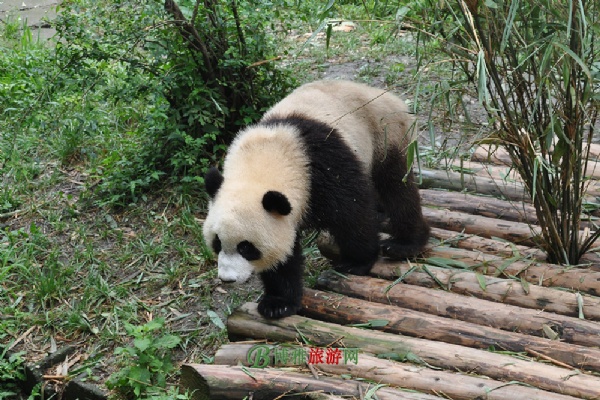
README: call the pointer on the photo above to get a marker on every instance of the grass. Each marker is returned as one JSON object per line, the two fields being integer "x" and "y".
{"x": 76, "y": 271}
{"x": 73, "y": 271}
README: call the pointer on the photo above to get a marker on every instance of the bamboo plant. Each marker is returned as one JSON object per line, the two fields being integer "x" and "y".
{"x": 536, "y": 68}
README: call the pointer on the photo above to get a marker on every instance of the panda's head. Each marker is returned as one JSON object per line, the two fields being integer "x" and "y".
{"x": 250, "y": 229}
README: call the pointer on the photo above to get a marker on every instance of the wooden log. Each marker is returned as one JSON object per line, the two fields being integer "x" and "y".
{"x": 233, "y": 382}
{"x": 346, "y": 310}
{"x": 438, "y": 179}
{"x": 458, "y": 239}
{"x": 483, "y": 169}
{"x": 453, "y": 385}
{"x": 490, "y": 207}
{"x": 515, "y": 232}
{"x": 491, "y": 154}
{"x": 451, "y": 305}
{"x": 504, "y": 291}
{"x": 510, "y": 174}
{"x": 499, "y": 156}
{"x": 486, "y": 206}
{"x": 245, "y": 322}
{"x": 594, "y": 150}
{"x": 502, "y": 248}
{"x": 583, "y": 280}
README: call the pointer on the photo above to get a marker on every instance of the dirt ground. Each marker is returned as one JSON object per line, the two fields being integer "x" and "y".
{"x": 36, "y": 13}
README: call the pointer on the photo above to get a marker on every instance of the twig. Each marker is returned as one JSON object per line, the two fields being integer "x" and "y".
{"x": 313, "y": 371}
{"x": 55, "y": 377}
{"x": 256, "y": 64}
{"x": 10, "y": 214}
{"x": 20, "y": 338}
{"x": 548, "y": 358}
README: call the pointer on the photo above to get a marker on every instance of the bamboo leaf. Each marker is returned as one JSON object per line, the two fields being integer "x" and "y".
{"x": 328, "y": 37}
{"x": 215, "y": 319}
{"x": 525, "y": 285}
{"x": 432, "y": 276}
{"x": 514, "y": 6}
{"x": 371, "y": 393}
{"x": 575, "y": 57}
{"x": 550, "y": 333}
{"x": 482, "y": 78}
{"x": 534, "y": 183}
{"x": 482, "y": 281}
{"x": 378, "y": 323}
{"x": 322, "y": 25}
{"x": 400, "y": 279}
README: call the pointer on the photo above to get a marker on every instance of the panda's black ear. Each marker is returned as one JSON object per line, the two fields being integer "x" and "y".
{"x": 212, "y": 181}
{"x": 276, "y": 202}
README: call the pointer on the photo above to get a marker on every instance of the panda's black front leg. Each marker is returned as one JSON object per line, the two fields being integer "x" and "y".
{"x": 283, "y": 287}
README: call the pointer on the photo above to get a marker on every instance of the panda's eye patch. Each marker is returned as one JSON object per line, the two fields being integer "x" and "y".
{"x": 248, "y": 251}
{"x": 216, "y": 245}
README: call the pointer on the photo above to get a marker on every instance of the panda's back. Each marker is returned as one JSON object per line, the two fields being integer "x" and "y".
{"x": 368, "y": 119}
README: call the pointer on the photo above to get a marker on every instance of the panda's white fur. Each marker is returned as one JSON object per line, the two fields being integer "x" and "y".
{"x": 239, "y": 216}
{"x": 328, "y": 152}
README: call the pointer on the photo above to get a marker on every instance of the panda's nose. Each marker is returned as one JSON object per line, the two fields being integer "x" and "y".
{"x": 227, "y": 279}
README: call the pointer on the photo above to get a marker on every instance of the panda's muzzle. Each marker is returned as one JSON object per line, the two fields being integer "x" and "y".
{"x": 234, "y": 268}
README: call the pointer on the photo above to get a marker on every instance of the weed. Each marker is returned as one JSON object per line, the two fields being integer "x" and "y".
{"x": 144, "y": 367}
{"x": 12, "y": 370}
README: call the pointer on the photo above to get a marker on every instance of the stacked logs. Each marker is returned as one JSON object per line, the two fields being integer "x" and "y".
{"x": 480, "y": 316}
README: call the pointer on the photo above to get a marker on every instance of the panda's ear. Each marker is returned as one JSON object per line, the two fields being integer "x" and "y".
{"x": 276, "y": 202}
{"x": 212, "y": 181}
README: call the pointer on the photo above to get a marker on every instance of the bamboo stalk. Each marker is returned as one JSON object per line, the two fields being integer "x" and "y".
{"x": 453, "y": 385}
{"x": 245, "y": 322}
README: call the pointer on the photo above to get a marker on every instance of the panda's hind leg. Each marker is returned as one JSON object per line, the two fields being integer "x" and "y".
{"x": 400, "y": 199}
{"x": 356, "y": 234}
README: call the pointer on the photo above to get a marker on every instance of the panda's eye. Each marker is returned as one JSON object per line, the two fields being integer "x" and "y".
{"x": 248, "y": 251}
{"x": 216, "y": 245}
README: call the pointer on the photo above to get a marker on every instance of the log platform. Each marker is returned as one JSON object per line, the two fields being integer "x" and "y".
{"x": 480, "y": 315}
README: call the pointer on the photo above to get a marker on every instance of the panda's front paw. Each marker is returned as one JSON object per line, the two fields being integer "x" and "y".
{"x": 273, "y": 307}
{"x": 354, "y": 269}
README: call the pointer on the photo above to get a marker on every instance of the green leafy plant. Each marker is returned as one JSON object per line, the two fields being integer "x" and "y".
{"x": 197, "y": 70}
{"x": 536, "y": 68}
{"x": 12, "y": 369}
{"x": 145, "y": 365}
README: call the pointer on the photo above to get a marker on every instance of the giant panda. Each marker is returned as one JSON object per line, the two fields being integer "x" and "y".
{"x": 324, "y": 158}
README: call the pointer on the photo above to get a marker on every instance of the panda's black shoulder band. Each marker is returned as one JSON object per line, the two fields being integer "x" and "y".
{"x": 212, "y": 181}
